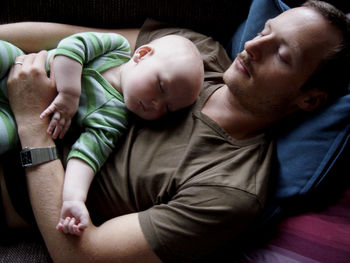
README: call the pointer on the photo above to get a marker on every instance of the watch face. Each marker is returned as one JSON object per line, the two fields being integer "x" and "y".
{"x": 26, "y": 158}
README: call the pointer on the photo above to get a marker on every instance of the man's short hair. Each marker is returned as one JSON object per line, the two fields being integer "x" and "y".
{"x": 332, "y": 74}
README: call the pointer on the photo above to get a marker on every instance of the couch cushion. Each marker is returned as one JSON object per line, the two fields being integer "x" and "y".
{"x": 259, "y": 12}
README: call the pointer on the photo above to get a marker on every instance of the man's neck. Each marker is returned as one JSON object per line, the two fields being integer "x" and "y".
{"x": 222, "y": 108}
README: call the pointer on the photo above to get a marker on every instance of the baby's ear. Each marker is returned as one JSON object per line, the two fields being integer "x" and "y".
{"x": 141, "y": 53}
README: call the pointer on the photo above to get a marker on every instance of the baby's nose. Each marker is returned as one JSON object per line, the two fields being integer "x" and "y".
{"x": 156, "y": 104}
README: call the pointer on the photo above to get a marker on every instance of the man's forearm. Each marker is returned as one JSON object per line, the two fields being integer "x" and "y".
{"x": 36, "y": 36}
{"x": 33, "y": 36}
{"x": 118, "y": 240}
{"x": 44, "y": 181}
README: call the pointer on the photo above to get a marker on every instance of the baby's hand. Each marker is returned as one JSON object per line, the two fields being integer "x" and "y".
{"x": 74, "y": 218}
{"x": 62, "y": 110}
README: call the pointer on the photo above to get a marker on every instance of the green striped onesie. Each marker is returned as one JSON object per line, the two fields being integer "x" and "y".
{"x": 102, "y": 114}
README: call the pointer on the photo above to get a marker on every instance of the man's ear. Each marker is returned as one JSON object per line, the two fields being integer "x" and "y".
{"x": 141, "y": 53}
{"x": 313, "y": 100}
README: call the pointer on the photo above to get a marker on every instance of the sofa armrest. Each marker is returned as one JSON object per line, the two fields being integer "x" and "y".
{"x": 217, "y": 18}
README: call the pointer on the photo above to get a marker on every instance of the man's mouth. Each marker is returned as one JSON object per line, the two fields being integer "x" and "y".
{"x": 243, "y": 64}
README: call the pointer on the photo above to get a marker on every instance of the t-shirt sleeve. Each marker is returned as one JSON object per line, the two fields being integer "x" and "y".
{"x": 198, "y": 219}
{"x": 214, "y": 55}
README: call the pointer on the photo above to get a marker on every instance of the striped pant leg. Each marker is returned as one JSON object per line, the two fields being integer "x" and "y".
{"x": 8, "y": 129}
{"x": 8, "y": 54}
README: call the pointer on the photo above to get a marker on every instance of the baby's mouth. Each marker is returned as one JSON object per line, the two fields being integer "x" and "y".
{"x": 142, "y": 106}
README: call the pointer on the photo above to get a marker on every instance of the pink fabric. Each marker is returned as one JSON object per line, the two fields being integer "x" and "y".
{"x": 312, "y": 237}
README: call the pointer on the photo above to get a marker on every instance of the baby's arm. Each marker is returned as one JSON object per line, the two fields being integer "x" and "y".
{"x": 74, "y": 214}
{"x": 83, "y": 48}
{"x": 67, "y": 74}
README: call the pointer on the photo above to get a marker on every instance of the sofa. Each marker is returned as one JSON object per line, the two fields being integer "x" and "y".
{"x": 302, "y": 223}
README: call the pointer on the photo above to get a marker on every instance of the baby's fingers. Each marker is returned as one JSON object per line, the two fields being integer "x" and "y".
{"x": 48, "y": 111}
{"x": 62, "y": 225}
{"x": 56, "y": 125}
{"x": 59, "y": 226}
{"x": 77, "y": 230}
{"x": 53, "y": 123}
{"x": 71, "y": 226}
{"x": 81, "y": 226}
{"x": 65, "y": 225}
{"x": 65, "y": 128}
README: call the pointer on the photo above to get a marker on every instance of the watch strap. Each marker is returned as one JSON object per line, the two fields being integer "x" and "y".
{"x": 34, "y": 156}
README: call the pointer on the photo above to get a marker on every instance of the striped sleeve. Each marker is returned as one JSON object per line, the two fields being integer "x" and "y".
{"x": 104, "y": 127}
{"x": 85, "y": 47}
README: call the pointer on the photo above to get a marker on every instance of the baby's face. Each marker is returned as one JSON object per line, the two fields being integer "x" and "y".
{"x": 154, "y": 88}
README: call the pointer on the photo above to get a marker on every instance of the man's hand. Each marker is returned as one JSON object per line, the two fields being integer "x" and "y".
{"x": 30, "y": 90}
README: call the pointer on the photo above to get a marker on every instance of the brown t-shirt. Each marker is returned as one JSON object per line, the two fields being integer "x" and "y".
{"x": 194, "y": 186}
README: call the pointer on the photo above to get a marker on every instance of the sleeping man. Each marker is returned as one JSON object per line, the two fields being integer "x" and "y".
{"x": 178, "y": 189}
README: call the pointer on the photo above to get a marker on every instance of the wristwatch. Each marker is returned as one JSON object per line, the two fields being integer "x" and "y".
{"x": 34, "y": 156}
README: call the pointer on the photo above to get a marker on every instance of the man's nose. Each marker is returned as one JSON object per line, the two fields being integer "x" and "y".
{"x": 257, "y": 47}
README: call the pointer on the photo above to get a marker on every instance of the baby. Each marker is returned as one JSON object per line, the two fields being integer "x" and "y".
{"x": 163, "y": 76}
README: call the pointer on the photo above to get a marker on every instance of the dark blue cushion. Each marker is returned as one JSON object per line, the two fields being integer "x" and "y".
{"x": 307, "y": 152}
{"x": 259, "y": 12}
{"x": 310, "y": 147}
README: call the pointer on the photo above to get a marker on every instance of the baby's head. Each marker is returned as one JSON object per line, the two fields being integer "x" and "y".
{"x": 163, "y": 76}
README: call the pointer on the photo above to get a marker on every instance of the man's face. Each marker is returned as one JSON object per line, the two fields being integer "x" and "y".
{"x": 266, "y": 77}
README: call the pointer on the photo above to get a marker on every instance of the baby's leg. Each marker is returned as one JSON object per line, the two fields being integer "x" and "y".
{"x": 8, "y": 129}
{"x": 8, "y": 54}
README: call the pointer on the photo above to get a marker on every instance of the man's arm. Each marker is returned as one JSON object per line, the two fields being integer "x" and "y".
{"x": 36, "y": 36}
{"x": 118, "y": 240}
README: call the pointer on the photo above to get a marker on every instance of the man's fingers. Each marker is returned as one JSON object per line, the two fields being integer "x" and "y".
{"x": 39, "y": 59}
{"x": 28, "y": 60}
{"x": 18, "y": 64}
{"x": 27, "y": 64}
